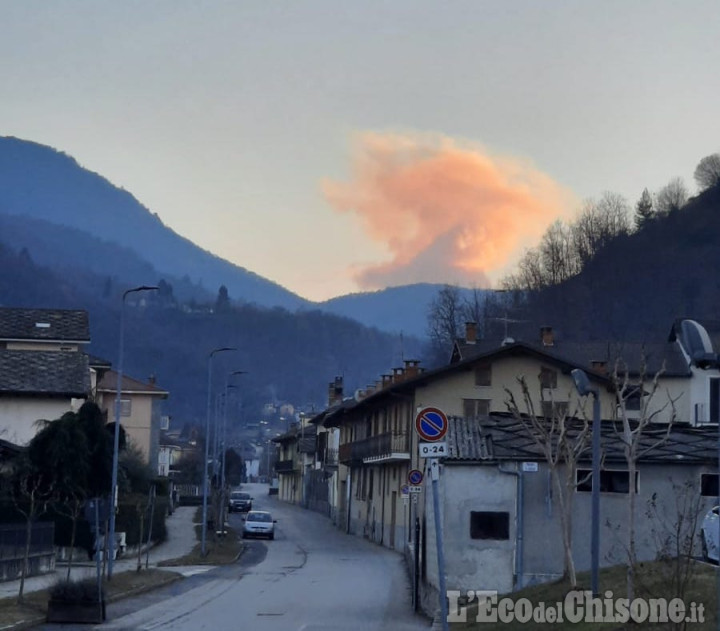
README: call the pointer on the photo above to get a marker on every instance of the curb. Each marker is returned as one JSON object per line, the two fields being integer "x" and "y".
{"x": 24, "y": 624}
{"x": 172, "y": 577}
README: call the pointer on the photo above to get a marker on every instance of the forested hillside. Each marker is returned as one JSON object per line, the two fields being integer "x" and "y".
{"x": 290, "y": 357}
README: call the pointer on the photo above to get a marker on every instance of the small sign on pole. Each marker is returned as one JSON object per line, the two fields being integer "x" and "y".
{"x": 415, "y": 477}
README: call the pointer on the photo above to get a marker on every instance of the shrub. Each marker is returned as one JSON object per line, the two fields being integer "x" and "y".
{"x": 82, "y": 591}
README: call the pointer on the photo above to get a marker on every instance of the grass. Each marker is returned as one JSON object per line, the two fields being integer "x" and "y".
{"x": 653, "y": 580}
{"x": 219, "y": 550}
{"x": 122, "y": 585}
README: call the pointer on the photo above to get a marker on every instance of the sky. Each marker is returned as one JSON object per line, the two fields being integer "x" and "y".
{"x": 340, "y": 146}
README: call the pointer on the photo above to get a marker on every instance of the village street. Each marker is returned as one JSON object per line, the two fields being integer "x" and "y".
{"x": 312, "y": 577}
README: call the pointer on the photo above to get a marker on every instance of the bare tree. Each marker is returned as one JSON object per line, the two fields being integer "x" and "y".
{"x": 32, "y": 490}
{"x": 599, "y": 223}
{"x": 644, "y": 391}
{"x": 445, "y": 320}
{"x": 707, "y": 172}
{"x": 671, "y": 197}
{"x": 561, "y": 445}
{"x": 675, "y": 528}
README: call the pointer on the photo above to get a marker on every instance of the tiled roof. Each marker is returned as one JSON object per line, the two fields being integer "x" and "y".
{"x": 44, "y": 324}
{"x": 583, "y": 353}
{"x": 108, "y": 383}
{"x": 56, "y": 373}
{"x": 501, "y": 437}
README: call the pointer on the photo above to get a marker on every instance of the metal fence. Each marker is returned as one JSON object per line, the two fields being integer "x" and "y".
{"x": 13, "y": 538}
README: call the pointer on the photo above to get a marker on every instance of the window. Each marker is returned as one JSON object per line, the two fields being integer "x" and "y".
{"x": 125, "y": 407}
{"x": 554, "y": 409}
{"x": 476, "y": 407}
{"x": 489, "y": 525}
{"x": 709, "y": 485}
{"x": 611, "y": 481}
{"x": 483, "y": 374}
{"x": 548, "y": 378}
{"x": 714, "y": 400}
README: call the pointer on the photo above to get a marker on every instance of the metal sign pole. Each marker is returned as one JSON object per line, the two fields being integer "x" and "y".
{"x": 97, "y": 548}
{"x": 435, "y": 474}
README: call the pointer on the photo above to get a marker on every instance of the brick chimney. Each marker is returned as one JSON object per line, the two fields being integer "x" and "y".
{"x": 547, "y": 337}
{"x": 151, "y": 380}
{"x": 412, "y": 368}
{"x": 470, "y": 332}
{"x": 599, "y": 365}
{"x": 398, "y": 375}
{"x": 386, "y": 380}
{"x": 335, "y": 391}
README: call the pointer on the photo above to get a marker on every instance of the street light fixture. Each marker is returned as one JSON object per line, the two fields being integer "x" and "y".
{"x": 207, "y": 444}
{"x": 583, "y": 386}
{"x": 116, "y": 435}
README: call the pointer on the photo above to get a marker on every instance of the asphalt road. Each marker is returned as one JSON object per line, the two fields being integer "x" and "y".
{"x": 312, "y": 577}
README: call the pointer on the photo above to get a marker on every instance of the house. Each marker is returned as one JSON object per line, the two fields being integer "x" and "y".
{"x": 378, "y": 446}
{"x": 296, "y": 449}
{"x": 43, "y": 369}
{"x": 141, "y": 406}
{"x": 501, "y": 517}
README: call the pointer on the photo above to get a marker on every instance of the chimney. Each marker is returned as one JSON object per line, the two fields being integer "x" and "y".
{"x": 335, "y": 391}
{"x": 151, "y": 380}
{"x": 369, "y": 389}
{"x": 599, "y": 365}
{"x": 470, "y": 332}
{"x": 386, "y": 380}
{"x": 412, "y": 368}
{"x": 546, "y": 336}
{"x": 397, "y": 375}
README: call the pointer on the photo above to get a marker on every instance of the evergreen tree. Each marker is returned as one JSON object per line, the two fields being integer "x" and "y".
{"x": 644, "y": 210}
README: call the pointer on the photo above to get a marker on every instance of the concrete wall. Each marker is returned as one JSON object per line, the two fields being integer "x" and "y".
{"x": 489, "y": 564}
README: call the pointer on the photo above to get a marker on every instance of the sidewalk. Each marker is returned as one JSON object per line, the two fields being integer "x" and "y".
{"x": 180, "y": 541}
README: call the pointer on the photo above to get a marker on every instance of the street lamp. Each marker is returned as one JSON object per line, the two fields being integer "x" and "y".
{"x": 223, "y": 445}
{"x": 224, "y": 427}
{"x": 583, "y": 386}
{"x": 207, "y": 443}
{"x": 116, "y": 436}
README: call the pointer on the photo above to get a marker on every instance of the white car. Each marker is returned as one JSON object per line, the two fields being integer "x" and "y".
{"x": 259, "y": 523}
{"x": 710, "y": 536}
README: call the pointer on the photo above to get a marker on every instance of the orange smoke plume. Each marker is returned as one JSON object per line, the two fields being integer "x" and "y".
{"x": 447, "y": 213}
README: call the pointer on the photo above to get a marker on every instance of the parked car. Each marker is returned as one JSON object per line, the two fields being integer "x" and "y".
{"x": 240, "y": 501}
{"x": 259, "y": 523}
{"x": 710, "y": 537}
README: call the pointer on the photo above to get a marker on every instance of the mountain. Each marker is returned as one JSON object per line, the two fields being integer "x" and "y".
{"x": 638, "y": 284}
{"x": 398, "y": 309}
{"x": 39, "y": 182}
{"x": 289, "y": 357}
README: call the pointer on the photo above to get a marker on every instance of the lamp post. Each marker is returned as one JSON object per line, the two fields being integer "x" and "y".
{"x": 224, "y": 426}
{"x": 582, "y": 384}
{"x": 224, "y": 446}
{"x": 207, "y": 444}
{"x": 116, "y": 435}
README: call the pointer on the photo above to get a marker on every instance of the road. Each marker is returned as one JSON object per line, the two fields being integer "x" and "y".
{"x": 312, "y": 577}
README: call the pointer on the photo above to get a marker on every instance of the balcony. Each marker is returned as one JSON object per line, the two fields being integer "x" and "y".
{"x": 388, "y": 447}
{"x": 285, "y": 466}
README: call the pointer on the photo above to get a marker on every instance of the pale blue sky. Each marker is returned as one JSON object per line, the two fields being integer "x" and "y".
{"x": 225, "y": 118}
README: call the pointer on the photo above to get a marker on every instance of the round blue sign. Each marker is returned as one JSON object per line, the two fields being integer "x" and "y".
{"x": 431, "y": 424}
{"x": 415, "y": 477}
